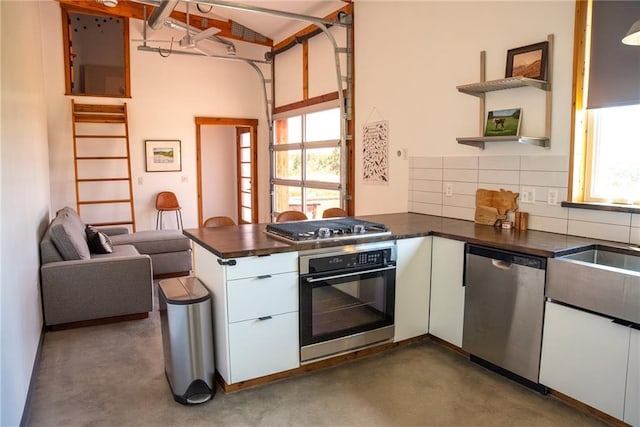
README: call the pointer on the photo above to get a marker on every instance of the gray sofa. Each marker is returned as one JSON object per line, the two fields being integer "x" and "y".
{"x": 81, "y": 286}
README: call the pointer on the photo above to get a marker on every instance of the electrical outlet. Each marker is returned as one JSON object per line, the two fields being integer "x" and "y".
{"x": 528, "y": 195}
{"x": 448, "y": 189}
{"x": 552, "y": 197}
{"x": 185, "y": 179}
{"x": 139, "y": 180}
{"x": 405, "y": 154}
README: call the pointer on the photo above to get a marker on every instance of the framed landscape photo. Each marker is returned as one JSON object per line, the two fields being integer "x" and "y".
{"x": 528, "y": 61}
{"x": 163, "y": 155}
{"x": 503, "y": 122}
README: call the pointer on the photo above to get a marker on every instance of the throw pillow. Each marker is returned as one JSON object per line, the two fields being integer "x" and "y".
{"x": 99, "y": 243}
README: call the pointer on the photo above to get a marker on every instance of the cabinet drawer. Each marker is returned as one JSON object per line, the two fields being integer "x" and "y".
{"x": 262, "y": 296}
{"x": 263, "y": 347}
{"x": 261, "y": 265}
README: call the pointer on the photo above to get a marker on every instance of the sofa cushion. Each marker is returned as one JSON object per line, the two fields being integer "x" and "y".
{"x": 68, "y": 236}
{"x": 99, "y": 243}
{"x": 154, "y": 241}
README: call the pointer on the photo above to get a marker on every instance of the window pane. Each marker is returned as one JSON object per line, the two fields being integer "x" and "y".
{"x": 245, "y": 139}
{"x": 246, "y": 214}
{"x": 323, "y": 164}
{"x": 289, "y": 130}
{"x": 287, "y": 198}
{"x": 288, "y": 164}
{"x": 246, "y": 199}
{"x": 245, "y": 184}
{"x": 323, "y": 125}
{"x": 319, "y": 200}
{"x": 616, "y": 175}
{"x": 245, "y": 169}
{"x": 245, "y": 155}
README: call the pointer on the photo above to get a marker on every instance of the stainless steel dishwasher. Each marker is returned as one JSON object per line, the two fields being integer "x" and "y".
{"x": 504, "y": 303}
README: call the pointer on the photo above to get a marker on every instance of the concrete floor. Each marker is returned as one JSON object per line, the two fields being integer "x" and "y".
{"x": 113, "y": 375}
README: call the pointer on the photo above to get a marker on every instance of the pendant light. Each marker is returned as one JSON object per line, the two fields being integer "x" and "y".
{"x": 633, "y": 36}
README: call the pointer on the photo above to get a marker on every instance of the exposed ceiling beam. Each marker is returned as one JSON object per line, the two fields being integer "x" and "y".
{"x": 132, "y": 9}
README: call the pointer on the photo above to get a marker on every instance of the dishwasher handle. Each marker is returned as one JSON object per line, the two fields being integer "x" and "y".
{"x": 507, "y": 257}
{"x": 502, "y": 265}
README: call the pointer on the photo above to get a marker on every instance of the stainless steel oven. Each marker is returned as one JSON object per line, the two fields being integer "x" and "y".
{"x": 347, "y": 298}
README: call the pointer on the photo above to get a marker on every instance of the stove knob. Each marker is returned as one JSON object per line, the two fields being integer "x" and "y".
{"x": 324, "y": 232}
{"x": 358, "y": 229}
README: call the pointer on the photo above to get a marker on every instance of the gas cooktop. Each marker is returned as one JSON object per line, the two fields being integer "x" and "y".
{"x": 325, "y": 229}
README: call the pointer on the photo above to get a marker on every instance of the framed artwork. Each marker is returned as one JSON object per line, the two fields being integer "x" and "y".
{"x": 503, "y": 122}
{"x": 528, "y": 61}
{"x": 163, "y": 155}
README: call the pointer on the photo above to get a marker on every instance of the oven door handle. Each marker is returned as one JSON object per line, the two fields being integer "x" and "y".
{"x": 340, "y": 276}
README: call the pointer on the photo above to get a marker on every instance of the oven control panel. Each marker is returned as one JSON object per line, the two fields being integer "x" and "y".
{"x": 376, "y": 258}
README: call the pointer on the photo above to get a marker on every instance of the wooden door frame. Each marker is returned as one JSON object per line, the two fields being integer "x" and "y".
{"x": 252, "y": 124}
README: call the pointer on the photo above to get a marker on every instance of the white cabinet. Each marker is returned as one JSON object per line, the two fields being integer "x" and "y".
{"x": 412, "y": 287}
{"x": 255, "y": 311}
{"x": 632, "y": 400}
{"x": 447, "y": 290}
{"x": 587, "y": 357}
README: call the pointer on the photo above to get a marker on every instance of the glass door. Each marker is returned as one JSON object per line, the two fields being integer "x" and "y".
{"x": 247, "y": 194}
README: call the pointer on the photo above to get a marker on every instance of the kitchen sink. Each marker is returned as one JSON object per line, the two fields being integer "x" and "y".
{"x": 608, "y": 257}
{"x": 603, "y": 279}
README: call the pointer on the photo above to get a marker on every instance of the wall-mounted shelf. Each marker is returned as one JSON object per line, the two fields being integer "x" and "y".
{"x": 479, "y": 141}
{"x": 480, "y": 88}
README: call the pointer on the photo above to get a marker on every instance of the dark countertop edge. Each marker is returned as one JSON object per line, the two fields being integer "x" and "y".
{"x": 580, "y": 243}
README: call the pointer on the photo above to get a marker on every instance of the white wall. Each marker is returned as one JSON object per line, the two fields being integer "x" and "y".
{"x": 219, "y": 175}
{"x": 24, "y": 184}
{"x": 411, "y": 55}
{"x": 167, "y": 93}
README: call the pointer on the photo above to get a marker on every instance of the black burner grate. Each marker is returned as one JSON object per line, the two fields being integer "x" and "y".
{"x": 305, "y": 230}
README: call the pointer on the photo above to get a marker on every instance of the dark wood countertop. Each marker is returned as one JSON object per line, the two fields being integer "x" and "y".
{"x": 251, "y": 239}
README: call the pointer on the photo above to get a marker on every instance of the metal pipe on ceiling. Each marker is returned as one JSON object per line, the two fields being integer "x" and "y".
{"x": 161, "y": 13}
{"x": 266, "y": 11}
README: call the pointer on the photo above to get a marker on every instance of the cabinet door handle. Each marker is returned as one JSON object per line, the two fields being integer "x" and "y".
{"x": 264, "y": 276}
{"x": 265, "y": 318}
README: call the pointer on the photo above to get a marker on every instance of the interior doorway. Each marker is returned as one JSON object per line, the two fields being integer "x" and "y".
{"x": 226, "y": 152}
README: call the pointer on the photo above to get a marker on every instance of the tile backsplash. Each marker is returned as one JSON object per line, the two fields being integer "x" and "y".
{"x": 446, "y": 186}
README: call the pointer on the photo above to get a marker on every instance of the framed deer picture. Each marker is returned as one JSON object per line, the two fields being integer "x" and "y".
{"x": 503, "y": 122}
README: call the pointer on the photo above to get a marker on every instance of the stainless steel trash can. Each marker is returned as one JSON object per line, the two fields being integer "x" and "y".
{"x": 187, "y": 339}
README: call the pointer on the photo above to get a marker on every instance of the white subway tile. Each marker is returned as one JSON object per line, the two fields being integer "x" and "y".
{"x": 616, "y": 233}
{"x": 460, "y": 175}
{"x": 425, "y": 208}
{"x": 427, "y": 162}
{"x": 551, "y": 225}
{"x": 497, "y": 187}
{"x": 635, "y": 220}
{"x": 545, "y": 210}
{"x": 499, "y": 176}
{"x": 500, "y": 162}
{"x": 544, "y": 163}
{"x": 426, "y": 197}
{"x": 602, "y": 217}
{"x": 634, "y": 238}
{"x": 459, "y": 200}
{"x": 470, "y": 162}
{"x": 458, "y": 212}
{"x": 425, "y": 185}
{"x": 466, "y": 188}
{"x": 432, "y": 174}
{"x": 544, "y": 179}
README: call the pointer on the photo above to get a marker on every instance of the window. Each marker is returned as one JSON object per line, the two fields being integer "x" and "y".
{"x": 607, "y": 98}
{"x": 97, "y": 57}
{"x": 306, "y": 163}
{"x": 613, "y": 150}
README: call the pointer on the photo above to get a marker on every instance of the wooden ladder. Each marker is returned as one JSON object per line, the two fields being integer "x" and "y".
{"x": 102, "y": 164}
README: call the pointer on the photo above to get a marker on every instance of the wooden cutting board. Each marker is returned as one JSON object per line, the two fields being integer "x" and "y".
{"x": 492, "y": 205}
